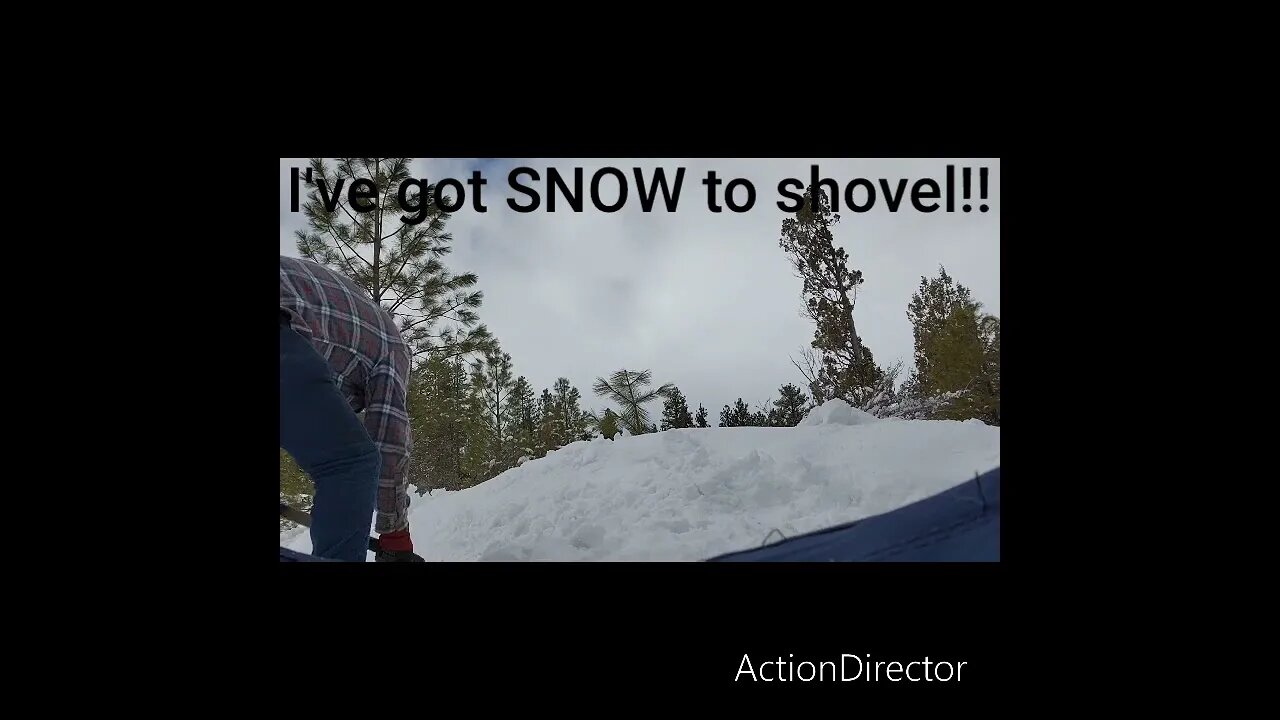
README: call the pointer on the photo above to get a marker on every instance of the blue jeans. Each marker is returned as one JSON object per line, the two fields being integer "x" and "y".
{"x": 326, "y": 438}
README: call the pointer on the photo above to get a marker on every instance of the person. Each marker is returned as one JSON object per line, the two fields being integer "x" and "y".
{"x": 341, "y": 354}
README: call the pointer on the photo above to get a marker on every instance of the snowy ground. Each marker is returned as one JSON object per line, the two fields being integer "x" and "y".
{"x": 691, "y": 494}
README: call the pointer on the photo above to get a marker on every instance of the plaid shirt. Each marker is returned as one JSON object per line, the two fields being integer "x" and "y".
{"x": 370, "y": 362}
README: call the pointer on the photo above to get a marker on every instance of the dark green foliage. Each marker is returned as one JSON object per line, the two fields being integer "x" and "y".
{"x": 990, "y": 331}
{"x": 479, "y": 455}
{"x": 563, "y": 420}
{"x": 440, "y": 411}
{"x": 523, "y": 418}
{"x": 549, "y": 427}
{"x": 701, "y": 417}
{"x": 609, "y": 424}
{"x": 957, "y": 350}
{"x": 789, "y": 409}
{"x": 571, "y": 423}
{"x": 675, "y": 411}
{"x": 498, "y": 385}
{"x": 739, "y": 415}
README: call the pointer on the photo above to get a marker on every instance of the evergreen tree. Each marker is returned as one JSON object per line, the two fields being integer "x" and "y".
{"x": 609, "y": 424}
{"x": 437, "y": 406}
{"x": 788, "y": 410}
{"x": 990, "y": 330}
{"x": 549, "y": 427}
{"x": 675, "y": 411}
{"x": 523, "y": 420}
{"x": 477, "y": 454}
{"x": 628, "y": 390}
{"x": 741, "y": 416}
{"x": 956, "y": 350}
{"x": 394, "y": 251}
{"x": 701, "y": 417}
{"x": 423, "y": 410}
{"x": 845, "y": 367}
{"x": 498, "y": 386}
{"x": 570, "y": 418}
{"x": 588, "y": 426}
{"x": 456, "y": 430}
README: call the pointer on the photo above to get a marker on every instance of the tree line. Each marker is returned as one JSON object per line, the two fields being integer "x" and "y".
{"x": 473, "y": 417}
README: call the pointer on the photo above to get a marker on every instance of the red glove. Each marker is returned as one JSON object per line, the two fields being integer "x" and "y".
{"x": 398, "y": 541}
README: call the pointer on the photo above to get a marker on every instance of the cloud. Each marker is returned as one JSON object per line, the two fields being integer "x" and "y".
{"x": 705, "y": 300}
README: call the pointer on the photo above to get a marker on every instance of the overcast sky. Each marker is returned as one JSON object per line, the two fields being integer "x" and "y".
{"x": 706, "y": 301}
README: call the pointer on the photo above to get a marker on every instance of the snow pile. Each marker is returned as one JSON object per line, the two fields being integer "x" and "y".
{"x": 837, "y": 412}
{"x": 692, "y": 494}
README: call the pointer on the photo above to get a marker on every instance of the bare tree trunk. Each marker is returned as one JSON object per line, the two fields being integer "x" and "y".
{"x": 377, "y": 239}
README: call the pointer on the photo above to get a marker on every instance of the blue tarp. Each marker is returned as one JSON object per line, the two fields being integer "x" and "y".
{"x": 961, "y": 524}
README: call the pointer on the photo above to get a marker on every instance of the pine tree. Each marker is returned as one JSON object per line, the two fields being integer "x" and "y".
{"x": 495, "y": 379}
{"x": 739, "y": 415}
{"x": 549, "y": 425}
{"x": 990, "y": 331}
{"x": 845, "y": 367}
{"x": 736, "y": 415}
{"x": 478, "y": 452}
{"x": 609, "y": 424}
{"x": 628, "y": 390}
{"x": 523, "y": 419}
{"x": 456, "y": 429}
{"x": 675, "y": 411}
{"x": 788, "y": 410}
{"x": 588, "y": 426}
{"x": 436, "y": 406}
{"x": 701, "y": 417}
{"x": 394, "y": 251}
{"x": 569, "y": 415}
{"x": 956, "y": 350}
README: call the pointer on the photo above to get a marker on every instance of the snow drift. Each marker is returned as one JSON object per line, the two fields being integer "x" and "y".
{"x": 837, "y": 412}
{"x": 696, "y": 493}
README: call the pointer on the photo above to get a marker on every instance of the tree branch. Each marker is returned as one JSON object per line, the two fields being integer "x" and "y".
{"x": 347, "y": 260}
{"x": 449, "y": 356}
{"x": 410, "y": 282}
{"x": 353, "y": 250}
{"x": 451, "y": 309}
{"x": 392, "y": 279}
{"x": 417, "y": 323}
{"x": 437, "y": 316}
{"x": 343, "y": 207}
{"x": 402, "y": 299}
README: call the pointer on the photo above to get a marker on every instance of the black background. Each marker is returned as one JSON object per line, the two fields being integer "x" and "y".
{"x": 545, "y": 635}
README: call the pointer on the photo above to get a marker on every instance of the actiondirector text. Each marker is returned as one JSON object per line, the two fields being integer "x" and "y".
{"x": 850, "y": 668}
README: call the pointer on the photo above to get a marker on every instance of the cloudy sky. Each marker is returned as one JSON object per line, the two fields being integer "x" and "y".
{"x": 706, "y": 301}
